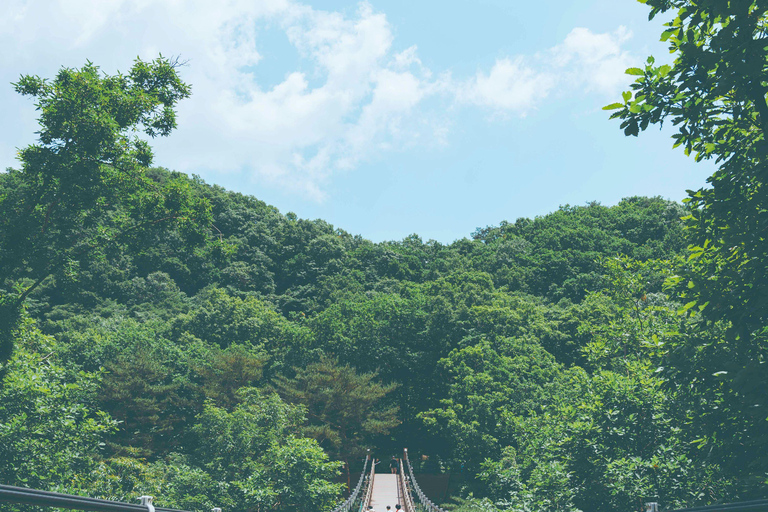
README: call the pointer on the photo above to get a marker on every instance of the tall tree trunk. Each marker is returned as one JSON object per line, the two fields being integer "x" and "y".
{"x": 349, "y": 481}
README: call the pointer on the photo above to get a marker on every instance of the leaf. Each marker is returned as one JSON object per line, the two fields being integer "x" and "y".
{"x": 635, "y": 72}
{"x": 685, "y": 308}
{"x": 613, "y": 106}
{"x": 667, "y": 34}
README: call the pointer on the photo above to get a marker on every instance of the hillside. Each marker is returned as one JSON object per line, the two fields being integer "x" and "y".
{"x": 467, "y": 353}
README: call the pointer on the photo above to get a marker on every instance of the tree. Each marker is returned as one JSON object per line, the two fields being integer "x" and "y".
{"x": 603, "y": 443}
{"x": 254, "y": 453}
{"x": 346, "y": 410}
{"x": 152, "y": 402}
{"x": 253, "y": 324}
{"x": 489, "y": 386}
{"x": 51, "y": 433}
{"x": 715, "y": 96}
{"x": 82, "y": 189}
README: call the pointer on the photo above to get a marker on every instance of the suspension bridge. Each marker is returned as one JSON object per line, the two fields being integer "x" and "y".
{"x": 379, "y": 491}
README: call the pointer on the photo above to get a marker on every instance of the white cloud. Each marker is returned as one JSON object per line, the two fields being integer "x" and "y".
{"x": 595, "y": 60}
{"x": 511, "y": 85}
{"x": 584, "y": 62}
{"x": 352, "y": 96}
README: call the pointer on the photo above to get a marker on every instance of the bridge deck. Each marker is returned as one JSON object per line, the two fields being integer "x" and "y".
{"x": 385, "y": 492}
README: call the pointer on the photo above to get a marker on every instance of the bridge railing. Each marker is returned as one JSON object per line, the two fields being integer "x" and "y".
{"x": 35, "y": 497}
{"x": 25, "y": 496}
{"x": 369, "y": 487}
{"x": 349, "y": 503}
{"x": 744, "y": 506}
{"x": 403, "y": 483}
{"x": 423, "y": 501}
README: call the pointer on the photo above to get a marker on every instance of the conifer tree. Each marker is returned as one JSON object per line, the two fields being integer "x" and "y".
{"x": 346, "y": 410}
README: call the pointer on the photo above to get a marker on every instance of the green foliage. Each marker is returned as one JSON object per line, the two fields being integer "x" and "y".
{"x": 641, "y": 323}
{"x": 50, "y": 429}
{"x": 226, "y": 371}
{"x": 541, "y": 359}
{"x": 223, "y": 320}
{"x": 557, "y": 255}
{"x": 10, "y": 315}
{"x": 615, "y": 439}
{"x": 82, "y": 191}
{"x": 347, "y": 411}
{"x": 247, "y": 459}
{"x": 151, "y": 401}
{"x": 715, "y": 96}
{"x": 489, "y": 386}
{"x": 173, "y": 482}
{"x": 255, "y": 449}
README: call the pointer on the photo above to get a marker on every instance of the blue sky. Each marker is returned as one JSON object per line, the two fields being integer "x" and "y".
{"x": 385, "y": 118}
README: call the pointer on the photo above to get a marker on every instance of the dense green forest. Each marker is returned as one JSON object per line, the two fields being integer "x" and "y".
{"x": 163, "y": 336}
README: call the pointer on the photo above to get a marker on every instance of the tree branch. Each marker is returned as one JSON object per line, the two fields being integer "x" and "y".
{"x": 29, "y": 290}
{"x": 47, "y": 216}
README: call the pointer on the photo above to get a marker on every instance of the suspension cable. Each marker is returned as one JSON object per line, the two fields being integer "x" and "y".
{"x": 349, "y": 503}
{"x": 369, "y": 491}
{"x": 424, "y": 502}
{"x": 405, "y": 491}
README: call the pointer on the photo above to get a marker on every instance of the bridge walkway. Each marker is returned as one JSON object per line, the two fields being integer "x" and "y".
{"x": 385, "y": 492}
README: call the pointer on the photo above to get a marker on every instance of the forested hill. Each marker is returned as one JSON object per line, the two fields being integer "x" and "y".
{"x": 303, "y": 266}
{"x": 218, "y": 373}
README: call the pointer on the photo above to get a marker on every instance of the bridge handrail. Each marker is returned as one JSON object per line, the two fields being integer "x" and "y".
{"x": 405, "y": 490}
{"x": 425, "y": 502}
{"x": 369, "y": 491}
{"x": 347, "y": 504}
{"x": 26, "y": 496}
{"x": 36, "y": 497}
{"x": 744, "y": 506}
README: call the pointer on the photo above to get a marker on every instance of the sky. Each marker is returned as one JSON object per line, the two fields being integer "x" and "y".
{"x": 384, "y": 117}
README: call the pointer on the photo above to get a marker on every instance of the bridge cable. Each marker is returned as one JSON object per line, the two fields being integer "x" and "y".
{"x": 369, "y": 489}
{"x": 424, "y": 502}
{"x": 349, "y": 503}
{"x": 405, "y": 491}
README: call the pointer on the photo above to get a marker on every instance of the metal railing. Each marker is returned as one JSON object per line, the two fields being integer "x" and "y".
{"x": 35, "y": 497}
{"x": 369, "y": 490}
{"x": 25, "y": 496}
{"x": 423, "y": 502}
{"x": 38, "y": 498}
{"x": 349, "y": 503}
{"x": 744, "y": 506}
{"x": 403, "y": 483}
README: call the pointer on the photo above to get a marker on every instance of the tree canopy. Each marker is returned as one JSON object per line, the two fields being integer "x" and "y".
{"x": 714, "y": 94}
{"x": 83, "y": 190}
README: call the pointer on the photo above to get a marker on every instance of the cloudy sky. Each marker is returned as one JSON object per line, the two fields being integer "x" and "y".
{"x": 385, "y": 117}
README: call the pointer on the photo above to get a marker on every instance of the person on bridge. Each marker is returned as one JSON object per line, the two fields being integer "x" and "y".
{"x": 393, "y": 465}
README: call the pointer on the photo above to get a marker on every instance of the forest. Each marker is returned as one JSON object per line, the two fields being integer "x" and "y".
{"x": 161, "y": 335}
